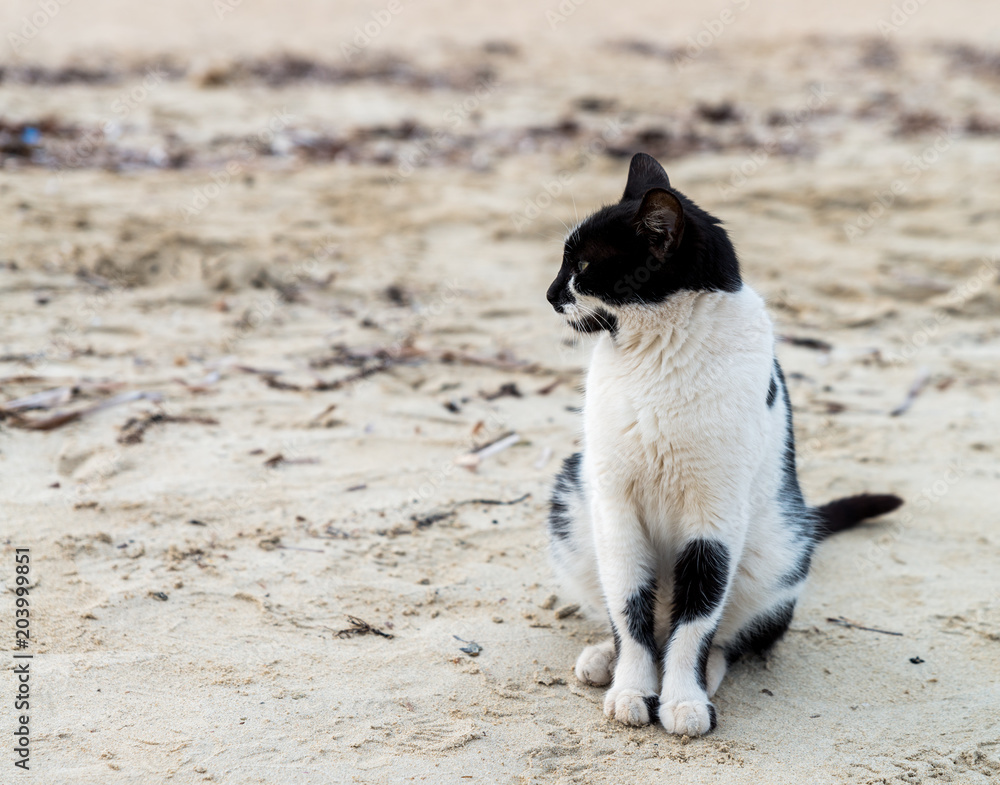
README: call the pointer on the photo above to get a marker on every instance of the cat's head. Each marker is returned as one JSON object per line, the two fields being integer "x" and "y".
{"x": 637, "y": 253}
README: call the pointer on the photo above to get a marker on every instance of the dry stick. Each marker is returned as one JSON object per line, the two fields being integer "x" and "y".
{"x": 518, "y": 500}
{"x": 46, "y": 399}
{"x": 472, "y": 459}
{"x": 135, "y": 428}
{"x": 58, "y": 420}
{"x": 915, "y": 389}
{"x": 841, "y": 621}
{"x": 361, "y": 627}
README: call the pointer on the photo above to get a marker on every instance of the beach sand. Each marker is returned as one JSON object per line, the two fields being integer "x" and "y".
{"x": 327, "y": 277}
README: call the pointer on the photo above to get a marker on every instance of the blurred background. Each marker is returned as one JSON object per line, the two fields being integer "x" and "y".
{"x": 274, "y": 350}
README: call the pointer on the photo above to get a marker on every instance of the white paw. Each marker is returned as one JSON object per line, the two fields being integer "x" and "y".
{"x": 688, "y": 718}
{"x": 629, "y": 707}
{"x": 596, "y": 664}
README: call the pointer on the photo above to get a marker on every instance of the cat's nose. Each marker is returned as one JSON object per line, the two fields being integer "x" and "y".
{"x": 556, "y": 296}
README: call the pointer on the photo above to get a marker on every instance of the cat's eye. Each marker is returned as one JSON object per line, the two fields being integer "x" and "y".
{"x": 581, "y": 266}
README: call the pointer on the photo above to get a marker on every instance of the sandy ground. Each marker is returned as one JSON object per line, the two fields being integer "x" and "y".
{"x": 323, "y": 328}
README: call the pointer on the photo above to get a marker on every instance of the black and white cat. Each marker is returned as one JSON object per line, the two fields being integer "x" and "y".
{"x": 683, "y": 515}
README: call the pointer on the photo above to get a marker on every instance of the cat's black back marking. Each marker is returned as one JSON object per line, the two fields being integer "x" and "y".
{"x": 761, "y": 633}
{"x": 567, "y": 486}
{"x": 772, "y": 390}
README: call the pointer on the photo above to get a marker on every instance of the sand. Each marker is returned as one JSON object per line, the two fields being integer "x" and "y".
{"x": 323, "y": 330}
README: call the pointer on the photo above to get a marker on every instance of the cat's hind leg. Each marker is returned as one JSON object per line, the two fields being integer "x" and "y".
{"x": 596, "y": 664}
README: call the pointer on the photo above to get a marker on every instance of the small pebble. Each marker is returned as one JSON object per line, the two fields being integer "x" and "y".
{"x": 549, "y": 603}
{"x": 566, "y": 611}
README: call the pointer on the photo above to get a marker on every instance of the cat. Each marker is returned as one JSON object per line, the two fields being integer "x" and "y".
{"x": 682, "y": 516}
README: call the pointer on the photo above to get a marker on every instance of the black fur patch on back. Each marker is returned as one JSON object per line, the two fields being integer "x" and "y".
{"x": 761, "y": 633}
{"x": 700, "y": 577}
{"x": 640, "y": 616}
{"x": 772, "y": 390}
{"x": 801, "y": 569}
{"x": 567, "y": 485}
{"x": 791, "y": 492}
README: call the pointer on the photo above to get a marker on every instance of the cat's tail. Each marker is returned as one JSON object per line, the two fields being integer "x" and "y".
{"x": 844, "y": 513}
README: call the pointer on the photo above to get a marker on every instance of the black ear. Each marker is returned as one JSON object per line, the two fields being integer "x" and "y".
{"x": 660, "y": 219}
{"x": 644, "y": 173}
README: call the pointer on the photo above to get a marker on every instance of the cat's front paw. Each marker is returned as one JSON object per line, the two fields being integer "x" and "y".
{"x": 630, "y": 707}
{"x": 596, "y": 664}
{"x": 688, "y": 718}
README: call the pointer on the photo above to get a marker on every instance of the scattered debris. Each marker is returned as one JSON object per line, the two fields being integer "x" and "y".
{"x": 549, "y": 602}
{"x": 47, "y": 399}
{"x": 766, "y": 691}
{"x": 430, "y": 520}
{"x": 472, "y": 459}
{"x": 543, "y": 459}
{"x": 501, "y": 502}
{"x": 59, "y": 420}
{"x": 278, "y": 460}
{"x": 195, "y": 522}
{"x": 472, "y": 649}
{"x": 807, "y": 343}
{"x": 159, "y": 595}
{"x": 567, "y": 610}
{"x": 134, "y": 429}
{"x": 550, "y": 386}
{"x": 505, "y": 390}
{"x": 923, "y": 378}
{"x": 842, "y": 622}
{"x": 917, "y": 660}
{"x": 361, "y": 627}
{"x": 359, "y": 487}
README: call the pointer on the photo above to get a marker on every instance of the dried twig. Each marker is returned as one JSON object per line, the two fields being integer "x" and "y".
{"x": 361, "y": 627}
{"x": 135, "y": 428}
{"x": 472, "y": 459}
{"x": 842, "y": 622}
{"x": 915, "y": 389}
{"x": 278, "y": 459}
{"x": 807, "y": 343}
{"x": 59, "y": 420}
